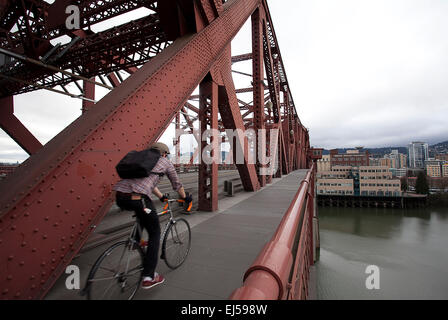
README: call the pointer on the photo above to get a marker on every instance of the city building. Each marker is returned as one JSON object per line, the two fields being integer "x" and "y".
{"x": 353, "y": 158}
{"x": 417, "y": 154}
{"x": 445, "y": 170}
{"x": 324, "y": 163}
{"x": 374, "y": 161}
{"x": 388, "y": 162}
{"x": 378, "y": 181}
{"x": 436, "y": 168}
{"x": 402, "y": 172}
{"x": 442, "y": 157}
{"x": 7, "y": 168}
{"x": 395, "y": 160}
{"x": 358, "y": 181}
{"x": 335, "y": 186}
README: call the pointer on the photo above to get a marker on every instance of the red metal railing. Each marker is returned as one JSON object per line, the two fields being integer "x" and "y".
{"x": 281, "y": 270}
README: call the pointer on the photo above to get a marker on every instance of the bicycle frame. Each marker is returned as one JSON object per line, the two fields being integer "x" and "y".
{"x": 166, "y": 209}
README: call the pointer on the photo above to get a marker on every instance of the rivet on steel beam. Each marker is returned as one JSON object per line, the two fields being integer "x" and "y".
{"x": 9, "y": 277}
{"x": 44, "y": 237}
{"x": 22, "y": 263}
{"x": 66, "y": 211}
{"x": 34, "y": 250}
{"x": 5, "y": 291}
{"x": 10, "y": 257}
{"x": 23, "y": 244}
{"x": 13, "y": 227}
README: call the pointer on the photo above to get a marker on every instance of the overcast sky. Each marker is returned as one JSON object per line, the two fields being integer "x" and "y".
{"x": 362, "y": 73}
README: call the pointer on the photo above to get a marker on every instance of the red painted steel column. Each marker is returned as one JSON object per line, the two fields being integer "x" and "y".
{"x": 258, "y": 93}
{"x": 15, "y": 129}
{"x": 208, "y": 172}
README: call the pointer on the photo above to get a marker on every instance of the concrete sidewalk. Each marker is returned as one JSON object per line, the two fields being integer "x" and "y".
{"x": 224, "y": 245}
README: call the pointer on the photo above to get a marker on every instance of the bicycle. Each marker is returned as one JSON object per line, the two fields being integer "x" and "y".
{"x": 117, "y": 273}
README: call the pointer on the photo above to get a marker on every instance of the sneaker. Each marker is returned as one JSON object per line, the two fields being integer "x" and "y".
{"x": 149, "y": 282}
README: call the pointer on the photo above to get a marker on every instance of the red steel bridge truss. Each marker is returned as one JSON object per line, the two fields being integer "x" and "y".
{"x": 53, "y": 201}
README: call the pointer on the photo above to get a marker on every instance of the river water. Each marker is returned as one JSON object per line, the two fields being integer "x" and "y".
{"x": 410, "y": 248}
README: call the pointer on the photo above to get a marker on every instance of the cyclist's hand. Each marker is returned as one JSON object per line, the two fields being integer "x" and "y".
{"x": 164, "y": 199}
{"x": 188, "y": 202}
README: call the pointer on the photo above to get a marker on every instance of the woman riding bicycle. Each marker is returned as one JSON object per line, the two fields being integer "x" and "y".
{"x": 134, "y": 195}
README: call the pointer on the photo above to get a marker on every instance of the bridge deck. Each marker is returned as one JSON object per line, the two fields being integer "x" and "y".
{"x": 224, "y": 244}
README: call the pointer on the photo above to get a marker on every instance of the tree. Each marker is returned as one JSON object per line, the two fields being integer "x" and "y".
{"x": 404, "y": 184}
{"x": 421, "y": 185}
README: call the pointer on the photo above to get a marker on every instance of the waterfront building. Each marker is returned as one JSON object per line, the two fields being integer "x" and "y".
{"x": 358, "y": 181}
{"x": 378, "y": 181}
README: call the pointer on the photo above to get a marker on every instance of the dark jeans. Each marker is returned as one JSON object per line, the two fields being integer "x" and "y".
{"x": 150, "y": 222}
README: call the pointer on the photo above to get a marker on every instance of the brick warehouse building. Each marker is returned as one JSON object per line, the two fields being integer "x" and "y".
{"x": 354, "y": 158}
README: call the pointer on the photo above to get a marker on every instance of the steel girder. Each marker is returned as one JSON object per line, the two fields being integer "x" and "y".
{"x": 54, "y": 200}
{"x": 208, "y": 172}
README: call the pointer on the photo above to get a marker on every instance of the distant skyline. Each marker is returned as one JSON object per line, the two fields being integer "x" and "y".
{"x": 370, "y": 73}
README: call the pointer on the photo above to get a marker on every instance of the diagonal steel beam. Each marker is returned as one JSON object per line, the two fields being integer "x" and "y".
{"x": 54, "y": 200}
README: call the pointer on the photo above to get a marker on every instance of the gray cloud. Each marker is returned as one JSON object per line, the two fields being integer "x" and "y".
{"x": 370, "y": 72}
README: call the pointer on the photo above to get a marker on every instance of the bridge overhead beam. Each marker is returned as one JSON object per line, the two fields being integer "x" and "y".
{"x": 56, "y": 198}
{"x": 15, "y": 128}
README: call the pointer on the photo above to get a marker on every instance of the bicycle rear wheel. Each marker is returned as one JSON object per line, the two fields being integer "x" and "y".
{"x": 176, "y": 243}
{"x": 117, "y": 273}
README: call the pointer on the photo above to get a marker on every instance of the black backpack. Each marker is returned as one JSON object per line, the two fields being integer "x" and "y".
{"x": 138, "y": 164}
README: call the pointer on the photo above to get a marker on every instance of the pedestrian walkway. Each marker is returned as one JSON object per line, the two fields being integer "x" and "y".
{"x": 224, "y": 245}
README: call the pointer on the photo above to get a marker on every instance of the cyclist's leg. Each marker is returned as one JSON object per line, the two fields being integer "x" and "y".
{"x": 150, "y": 221}
{"x": 130, "y": 205}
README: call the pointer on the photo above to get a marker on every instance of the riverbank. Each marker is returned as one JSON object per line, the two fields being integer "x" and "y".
{"x": 399, "y": 202}
{"x": 437, "y": 200}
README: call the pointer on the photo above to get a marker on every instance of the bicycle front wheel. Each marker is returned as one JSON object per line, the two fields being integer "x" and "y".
{"x": 176, "y": 243}
{"x": 117, "y": 273}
